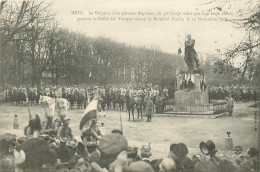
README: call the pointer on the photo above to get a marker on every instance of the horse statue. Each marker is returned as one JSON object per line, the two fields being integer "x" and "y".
{"x": 61, "y": 105}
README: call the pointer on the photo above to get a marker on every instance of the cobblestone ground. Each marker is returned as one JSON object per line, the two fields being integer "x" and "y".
{"x": 162, "y": 131}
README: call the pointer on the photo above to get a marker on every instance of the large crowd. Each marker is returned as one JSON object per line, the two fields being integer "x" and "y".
{"x": 111, "y": 97}
{"x": 79, "y": 95}
{"x": 50, "y": 145}
{"x": 240, "y": 93}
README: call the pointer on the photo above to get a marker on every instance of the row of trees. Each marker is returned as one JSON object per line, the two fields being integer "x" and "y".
{"x": 245, "y": 18}
{"x": 34, "y": 47}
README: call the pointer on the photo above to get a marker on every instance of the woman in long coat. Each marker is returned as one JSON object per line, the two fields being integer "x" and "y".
{"x": 230, "y": 104}
{"x": 149, "y": 109}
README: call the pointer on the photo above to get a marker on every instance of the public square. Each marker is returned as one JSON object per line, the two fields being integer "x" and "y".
{"x": 164, "y": 129}
{"x": 75, "y": 75}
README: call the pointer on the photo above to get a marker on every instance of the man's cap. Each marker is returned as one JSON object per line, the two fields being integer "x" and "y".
{"x": 180, "y": 149}
{"x": 207, "y": 147}
{"x": 112, "y": 144}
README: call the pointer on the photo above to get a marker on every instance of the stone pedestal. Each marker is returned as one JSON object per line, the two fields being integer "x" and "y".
{"x": 191, "y": 97}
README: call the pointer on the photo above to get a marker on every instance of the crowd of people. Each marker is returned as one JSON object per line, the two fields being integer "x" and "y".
{"x": 120, "y": 97}
{"x": 240, "y": 93}
{"x": 50, "y": 145}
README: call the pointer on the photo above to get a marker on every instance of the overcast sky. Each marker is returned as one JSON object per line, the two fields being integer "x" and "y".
{"x": 167, "y": 35}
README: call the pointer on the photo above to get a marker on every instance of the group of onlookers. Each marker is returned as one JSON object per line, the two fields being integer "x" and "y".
{"x": 51, "y": 146}
{"x": 240, "y": 93}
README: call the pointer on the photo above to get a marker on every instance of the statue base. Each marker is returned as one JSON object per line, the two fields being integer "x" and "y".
{"x": 193, "y": 97}
{"x": 192, "y": 102}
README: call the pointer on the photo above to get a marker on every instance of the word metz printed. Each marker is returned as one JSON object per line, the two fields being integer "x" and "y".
{"x": 77, "y": 12}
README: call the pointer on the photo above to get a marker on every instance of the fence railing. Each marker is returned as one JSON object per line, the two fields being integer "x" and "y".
{"x": 205, "y": 109}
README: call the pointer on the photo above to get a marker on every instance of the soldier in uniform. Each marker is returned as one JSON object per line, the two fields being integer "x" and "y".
{"x": 149, "y": 109}
{"x": 139, "y": 103}
{"x": 22, "y": 95}
{"x": 103, "y": 98}
{"x": 130, "y": 104}
{"x": 80, "y": 98}
{"x": 14, "y": 95}
{"x": 36, "y": 95}
{"x": 121, "y": 99}
{"x": 108, "y": 99}
{"x": 72, "y": 97}
{"x": 113, "y": 98}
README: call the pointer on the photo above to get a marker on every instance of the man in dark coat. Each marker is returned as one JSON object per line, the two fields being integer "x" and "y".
{"x": 149, "y": 109}
{"x": 130, "y": 105}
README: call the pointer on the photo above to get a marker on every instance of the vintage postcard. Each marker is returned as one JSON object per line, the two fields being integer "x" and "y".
{"x": 129, "y": 85}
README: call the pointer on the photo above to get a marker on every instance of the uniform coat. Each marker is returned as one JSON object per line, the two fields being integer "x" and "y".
{"x": 149, "y": 107}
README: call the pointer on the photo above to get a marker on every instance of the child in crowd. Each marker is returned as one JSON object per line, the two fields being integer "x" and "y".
{"x": 15, "y": 123}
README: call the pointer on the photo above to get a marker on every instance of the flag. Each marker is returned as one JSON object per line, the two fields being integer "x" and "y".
{"x": 89, "y": 113}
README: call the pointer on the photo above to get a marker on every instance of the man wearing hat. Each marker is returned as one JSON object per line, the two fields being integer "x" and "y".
{"x": 178, "y": 153}
{"x": 138, "y": 105}
{"x": 64, "y": 130}
{"x": 130, "y": 105}
{"x": 149, "y": 109}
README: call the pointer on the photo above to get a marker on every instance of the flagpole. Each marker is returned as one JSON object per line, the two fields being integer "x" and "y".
{"x": 121, "y": 120}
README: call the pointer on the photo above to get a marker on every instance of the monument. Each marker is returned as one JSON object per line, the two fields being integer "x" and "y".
{"x": 191, "y": 94}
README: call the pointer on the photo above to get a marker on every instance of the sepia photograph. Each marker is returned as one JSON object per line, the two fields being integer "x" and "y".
{"x": 129, "y": 85}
